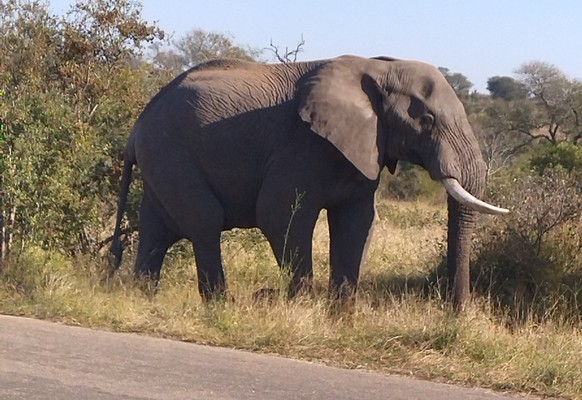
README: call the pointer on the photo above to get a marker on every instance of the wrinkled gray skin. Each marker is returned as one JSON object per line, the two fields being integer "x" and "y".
{"x": 231, "y": 144}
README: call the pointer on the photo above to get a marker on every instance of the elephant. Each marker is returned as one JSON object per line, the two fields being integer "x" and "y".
{"x": 233, "y": 143}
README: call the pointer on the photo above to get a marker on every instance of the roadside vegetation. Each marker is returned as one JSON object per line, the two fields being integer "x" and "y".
{"x": 71, "y": 87}
{"x": 400, "y": 325}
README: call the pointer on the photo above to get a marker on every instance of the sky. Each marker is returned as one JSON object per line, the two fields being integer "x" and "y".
{"x": 479, "y": 39}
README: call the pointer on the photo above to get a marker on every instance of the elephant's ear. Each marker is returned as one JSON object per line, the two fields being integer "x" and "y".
{"x": 339, "y": 101}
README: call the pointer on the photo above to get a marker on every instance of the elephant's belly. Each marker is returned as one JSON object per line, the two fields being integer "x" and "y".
{"x": 239, "y": 217}
{"x": 235, "y": 183}
{"x": 239, "y": 204}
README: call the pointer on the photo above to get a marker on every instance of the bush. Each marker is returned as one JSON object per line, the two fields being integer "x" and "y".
{"x": 71, "y": 88}
{"x": 410, "y": 182}
{"x": 565, "y": 155}
{"x": 530, "y": 260}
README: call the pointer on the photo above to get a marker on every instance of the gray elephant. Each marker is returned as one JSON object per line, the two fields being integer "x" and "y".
{"x": 234, "y": 144}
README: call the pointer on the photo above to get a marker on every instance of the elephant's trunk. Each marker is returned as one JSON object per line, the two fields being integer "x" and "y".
{"x": 460, "y": 229}
{"x": 463, "y": 206}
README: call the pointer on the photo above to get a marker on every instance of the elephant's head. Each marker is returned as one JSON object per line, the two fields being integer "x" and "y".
{"x": 379, "y": 111}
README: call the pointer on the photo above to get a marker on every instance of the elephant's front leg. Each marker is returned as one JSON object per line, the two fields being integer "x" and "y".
{"x": 293, "y": 250}
{"x": 350, "y": 230}
{"x": 288, "y": 225}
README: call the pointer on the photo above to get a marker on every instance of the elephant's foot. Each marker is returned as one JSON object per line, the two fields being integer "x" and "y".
{"x": 300, "y": 286}
{"x": 218, "y": 295}
{"x": 148, "y": 286}
{"x": 342, "y": 300}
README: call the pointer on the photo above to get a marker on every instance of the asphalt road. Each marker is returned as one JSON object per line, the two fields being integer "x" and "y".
{"x": 43, "y": 360}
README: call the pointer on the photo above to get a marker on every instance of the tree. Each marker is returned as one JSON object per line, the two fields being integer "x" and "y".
{"x": 459, "y": 82}
{"x": 72, "y": 88}
{"x": 503, "y": 128}
{"x": 167, "y": 60}
{"x": 198, "y": 46}
{"x": 558, "y": 101}
{"x": 505, "y": 87}
{"x": 542, "y": 105}
{"x": 575, "y": 103}
{"x": 27, "y": 29}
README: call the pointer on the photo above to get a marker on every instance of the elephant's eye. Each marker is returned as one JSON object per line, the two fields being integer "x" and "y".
{"x": 426, "y": 122}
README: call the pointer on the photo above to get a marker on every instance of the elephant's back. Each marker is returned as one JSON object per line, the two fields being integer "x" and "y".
{"x": 221, "y": 89}
{"x": 223, "y": 92}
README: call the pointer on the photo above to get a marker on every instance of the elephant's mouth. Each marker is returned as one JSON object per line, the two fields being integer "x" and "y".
{"x": 455, "y": 189}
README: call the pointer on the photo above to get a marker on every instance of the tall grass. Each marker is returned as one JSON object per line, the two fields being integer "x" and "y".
{"x": 400, "y": 325}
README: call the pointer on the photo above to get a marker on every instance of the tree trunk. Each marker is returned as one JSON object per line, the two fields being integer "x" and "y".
{"x": 9, "y": 233}
{"x": 2, "y": 233}
{"x": 6, "y": 234}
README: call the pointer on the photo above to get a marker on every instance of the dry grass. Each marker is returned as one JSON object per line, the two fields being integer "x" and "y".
{"x": 395, "y": 327}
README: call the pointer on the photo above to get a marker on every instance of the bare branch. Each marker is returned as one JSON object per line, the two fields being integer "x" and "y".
{"x": 289, "y": 55}
{"x": 126, "y": 232}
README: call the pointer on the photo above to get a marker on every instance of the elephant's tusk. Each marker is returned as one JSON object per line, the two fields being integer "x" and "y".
{"x": 455, "y": 189}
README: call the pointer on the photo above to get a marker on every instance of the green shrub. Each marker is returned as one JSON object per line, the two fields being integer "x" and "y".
{"x": 71, "y": 87}
{"x": 410, "y": 182}
{"x": 530, "y": 260}
{"x": 565, "y": 155}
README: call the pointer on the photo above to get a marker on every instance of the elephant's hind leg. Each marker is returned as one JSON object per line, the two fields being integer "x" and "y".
{"x": 154, "y": 241}
{"x": 201, "y": 217}
{"x": 195, "y": 211}
{"x": 211, "y": 279}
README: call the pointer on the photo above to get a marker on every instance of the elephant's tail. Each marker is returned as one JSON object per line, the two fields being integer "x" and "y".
{"x": 116, "y": 248}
